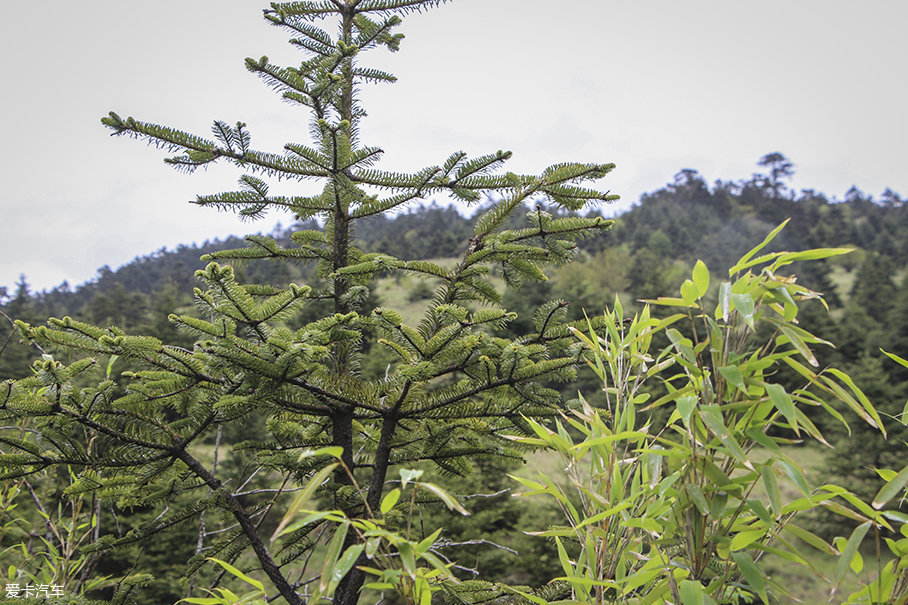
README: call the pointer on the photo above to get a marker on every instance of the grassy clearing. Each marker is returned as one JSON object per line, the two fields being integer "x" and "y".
{"x": 397, "y": 291}
{"x": 843, "y": 280}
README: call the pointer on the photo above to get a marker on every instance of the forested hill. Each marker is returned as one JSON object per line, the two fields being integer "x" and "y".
{"x": 643, "y": 256}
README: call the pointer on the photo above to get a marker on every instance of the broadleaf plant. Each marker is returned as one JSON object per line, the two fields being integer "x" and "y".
{"x": 687, "y": 509}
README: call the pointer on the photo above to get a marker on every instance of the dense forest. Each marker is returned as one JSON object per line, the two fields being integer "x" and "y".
{"x": 648, "y": 253}
{"x": 387, "y": 403}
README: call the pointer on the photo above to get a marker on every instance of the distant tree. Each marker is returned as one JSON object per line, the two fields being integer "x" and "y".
{"x": 15, "y": 356}
{"x": 891, "y": 199}
{"x": 862, "y": 450}
{"x": 117, "y": 306}
{"x": 897, "y": 327}
{"x": 780, "y": 168}
{"x": 689, "y": 182}
{"x": 420, "y": 291}
{"x": 648, "y": 274}
{"x": 856, "y": 196}
{"x": 875, "y": 286}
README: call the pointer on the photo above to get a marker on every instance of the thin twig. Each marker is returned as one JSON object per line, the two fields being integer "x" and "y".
{"x": 13, "y": 324}
{"x": 446, "y": 543}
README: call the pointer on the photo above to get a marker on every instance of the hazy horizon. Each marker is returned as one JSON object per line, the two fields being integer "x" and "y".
{"x": 654, "y": 88}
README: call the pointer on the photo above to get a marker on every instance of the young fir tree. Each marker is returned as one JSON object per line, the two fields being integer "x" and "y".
{"x": 454, "y": 393}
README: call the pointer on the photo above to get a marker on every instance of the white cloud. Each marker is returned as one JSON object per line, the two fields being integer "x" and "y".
{"x": 652, "y": 86}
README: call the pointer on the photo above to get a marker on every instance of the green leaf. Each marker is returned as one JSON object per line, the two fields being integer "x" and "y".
{"x": 439, "y": 565}
{"x": 302, "y": 497}
{"x": 865, "y": 403}
{"x": 691, "y": 592}
{"x": 407, "y": 558}
{"x": 345, "y": 563}
{"x": 798, "y": 343}
{"x": 782, "y": 400}
{"x": 390, "y": 499}
{"x": 689, "y": 292}
{"x": 711, "y": 415}
{"x": 814, "y": 254}
{"x": 238, "y": 574}
{"x": 110, "y": 364}
{"x": 857, "y": 562}
{"x": 331, "y": 559}
{"x": 697, "y": 497}
{"x": 622, "y": 436}
{"x": 743, "y": 539}
{"x": 335, "y": 451}
{"x": 686, "y": 407}
{"x": 724, "y": 306}
{"x": 759, "y": 509}
{"x": 892, "y": 487}
{"x": 733, "y": 376}
{"x": 763, "y": 439}
{"x": 857, "y": 536}
{"x": 563, "y": 557}
{"x": 795, "y": 474}
{"x": 772, "y": 488}
{"x": 899, "y": 360}
{"x": 447, "y": 498}
{"x": 741, "y": 263}
{"x": 744, "y": 305}
{"x": 751, "y": 573}
{"x": 427, "y": 542}
{"x": 407, "y": 475}
{"x": 701, "y": 278}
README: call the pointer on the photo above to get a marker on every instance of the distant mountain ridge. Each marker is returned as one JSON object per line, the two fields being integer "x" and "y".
{"x": 641, "y": 257}
{"x": 685, "y": 219}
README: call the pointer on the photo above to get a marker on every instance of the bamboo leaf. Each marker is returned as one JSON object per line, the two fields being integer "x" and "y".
{"x": 447, "y": 498}
{"x": 741, "y": 263}
{"x": 851, "y": 548}
{"x": 302, "y": 497}
{"x": 691, "y": 592}
{"x": 345, "y": 563}
{"x": 751, "y": 573}
{"x": 893, "y": 486}
{"x": 743, "y": 539}
{"x": 899, "y": 360}
{"x": 331, "y": 559}
{"x": 782, "y": 400}
{"x": 865, "y": 403}
{"x": 724, "y": 306}
{"x": 700, "y": 277}
{"x": 390, "y": 499}
{"x": 689, "y": 292}
{"x": 772, "y": 488}
{"x": 744, "y": 305}
{"x": 238, "y": 574}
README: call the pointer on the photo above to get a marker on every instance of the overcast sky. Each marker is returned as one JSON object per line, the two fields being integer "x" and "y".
{"x": 652, "y": 86}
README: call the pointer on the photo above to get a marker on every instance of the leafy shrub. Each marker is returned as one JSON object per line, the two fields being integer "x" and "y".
{"x": 687, "y": 511}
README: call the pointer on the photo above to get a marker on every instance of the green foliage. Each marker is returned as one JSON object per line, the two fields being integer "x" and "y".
{"x": 454, "y": 389}
{"x": 398, "y": 561}
{"x": 890, "y": 584}
{"x": 686, "y": 511}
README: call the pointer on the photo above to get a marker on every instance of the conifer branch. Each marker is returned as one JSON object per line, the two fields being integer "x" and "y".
{"x": 307, "y": 9}
{"x": 248, "y": 361}
{"x": 401, "y": 6}
{"x": 250, "y": 530}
